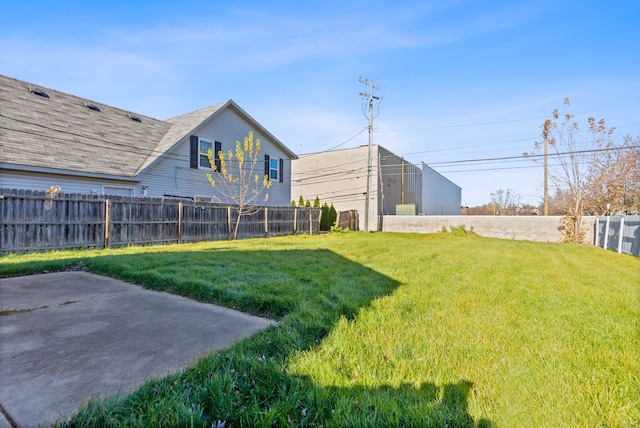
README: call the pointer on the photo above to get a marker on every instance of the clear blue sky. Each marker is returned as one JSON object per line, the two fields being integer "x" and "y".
{"x": 460, "y": 80}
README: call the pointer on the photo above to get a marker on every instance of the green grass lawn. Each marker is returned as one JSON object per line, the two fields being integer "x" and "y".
{"x": 390, "y": 330}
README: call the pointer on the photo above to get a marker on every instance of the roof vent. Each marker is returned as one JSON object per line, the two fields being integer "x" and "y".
{"x": 134, "y": 118}
{"x": 38, "y": 92}
{"x": 92, "y": 106}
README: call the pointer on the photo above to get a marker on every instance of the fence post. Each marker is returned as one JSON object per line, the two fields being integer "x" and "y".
{"x": 597, "y": 233}
{"x": 621, "y": 234}
{"x": 266, "y": 221}
{"x": 606, "y": 232}
{"x": 229, "y": 221}
{"x": 179, "y": 222}
{"x": 295, "y": 220}
{"x": 106, "y": 223}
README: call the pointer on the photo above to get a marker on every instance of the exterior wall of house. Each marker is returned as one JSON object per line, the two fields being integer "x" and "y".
{"x": 439, "y": 195}
{"x": 172, "y": 175}
{"x": 72, "y": 184}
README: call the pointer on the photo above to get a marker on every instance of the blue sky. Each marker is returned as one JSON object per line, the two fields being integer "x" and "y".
{"x": 459, "y": 80}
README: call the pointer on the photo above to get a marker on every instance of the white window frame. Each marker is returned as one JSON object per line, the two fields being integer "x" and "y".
{"x": 274, "y": 172}
{"x": 204, "y": 156}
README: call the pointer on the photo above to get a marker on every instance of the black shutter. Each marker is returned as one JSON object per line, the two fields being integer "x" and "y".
{"x": 266, "y": 166}
{"x": 216, "y": 155}
{"x": 281, "y": 175}
{"x": 195, "y": 153}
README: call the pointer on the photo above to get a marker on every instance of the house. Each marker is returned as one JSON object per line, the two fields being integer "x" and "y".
{"x": 52, "y": 138}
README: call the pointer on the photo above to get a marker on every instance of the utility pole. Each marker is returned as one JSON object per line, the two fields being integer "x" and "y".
{"x": 370, "y": 97}
{"x": 545, "y": 210}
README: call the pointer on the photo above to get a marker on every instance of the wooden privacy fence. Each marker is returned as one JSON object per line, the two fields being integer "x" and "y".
{"x": 619, "y": 233}
{"x": 36, "y": 220}
{"x": 348, "y": 220}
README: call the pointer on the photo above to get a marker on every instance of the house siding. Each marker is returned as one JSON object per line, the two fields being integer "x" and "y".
{"x": 173, "y": 175}
{"x": 69, "y": 184}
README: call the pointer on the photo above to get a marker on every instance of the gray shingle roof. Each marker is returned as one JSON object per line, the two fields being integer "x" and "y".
{"x": 181, "y": 126}
{"x": 60, "y": 132}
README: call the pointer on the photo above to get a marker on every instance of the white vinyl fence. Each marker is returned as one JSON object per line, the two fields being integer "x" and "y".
{"x": 619, "y": 233}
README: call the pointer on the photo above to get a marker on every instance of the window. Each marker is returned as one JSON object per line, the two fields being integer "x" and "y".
{"x": 205, "y": 146}
{"x": 274, "y": 169}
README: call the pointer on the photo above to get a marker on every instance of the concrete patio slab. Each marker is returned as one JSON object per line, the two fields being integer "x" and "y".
{"x": 73, "y": 336}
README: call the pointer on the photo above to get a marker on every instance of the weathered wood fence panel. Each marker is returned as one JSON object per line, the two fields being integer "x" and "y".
{"x": 37, "y": 221}
{"x": 205, "y": 223}
{"x": 619, "y": 233}
{"x": 348, "y": 220}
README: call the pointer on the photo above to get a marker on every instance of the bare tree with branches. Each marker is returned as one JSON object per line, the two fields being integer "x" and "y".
{"x": 576, "y": 155}
{"x": 507, "y": 200}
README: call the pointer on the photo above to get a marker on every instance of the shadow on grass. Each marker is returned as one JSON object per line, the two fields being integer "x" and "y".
{"x": 308, "y": 291}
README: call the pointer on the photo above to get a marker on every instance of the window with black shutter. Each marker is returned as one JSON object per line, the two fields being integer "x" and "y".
{"x": 273, "y": 168}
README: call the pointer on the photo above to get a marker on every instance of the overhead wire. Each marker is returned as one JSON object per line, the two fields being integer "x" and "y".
{"x": 322, "y": 172}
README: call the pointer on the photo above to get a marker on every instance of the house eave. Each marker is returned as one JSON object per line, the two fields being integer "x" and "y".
{"x": 40, "y": 170}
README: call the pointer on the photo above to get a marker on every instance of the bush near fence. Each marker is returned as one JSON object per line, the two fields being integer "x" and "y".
{"x": 36, "y": 220}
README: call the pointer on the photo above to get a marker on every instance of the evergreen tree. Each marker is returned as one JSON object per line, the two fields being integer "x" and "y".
{"x": 325, "y": 219}
{"x": 333, "y": 216}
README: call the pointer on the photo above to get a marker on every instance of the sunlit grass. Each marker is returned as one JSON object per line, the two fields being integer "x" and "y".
{"x": 391, "y": 329}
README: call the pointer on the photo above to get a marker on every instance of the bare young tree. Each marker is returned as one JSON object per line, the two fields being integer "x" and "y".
{"x": 507, "y": 200}
{"x": 237, "y": 180}
{"x": 575, "y": 156}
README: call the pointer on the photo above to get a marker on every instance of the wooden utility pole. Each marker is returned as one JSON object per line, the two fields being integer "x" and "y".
{"x": 370, "y": 97}
{"x": 546, "y": 179}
